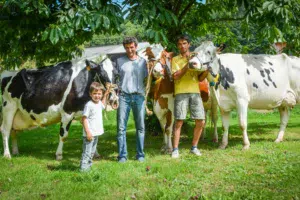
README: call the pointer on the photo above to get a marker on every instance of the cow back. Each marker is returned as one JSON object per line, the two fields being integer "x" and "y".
{"x": 41, "y": 88}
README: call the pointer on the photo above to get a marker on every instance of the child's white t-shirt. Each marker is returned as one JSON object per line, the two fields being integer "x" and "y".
{"x": 93, "y": 112}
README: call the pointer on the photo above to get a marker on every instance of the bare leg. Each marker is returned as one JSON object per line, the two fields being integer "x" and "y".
{"x": 197, "y": 131}
{"x": 178, "y": 125}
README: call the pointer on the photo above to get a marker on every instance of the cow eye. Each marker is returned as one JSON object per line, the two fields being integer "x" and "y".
{"x": 208, "y": 52}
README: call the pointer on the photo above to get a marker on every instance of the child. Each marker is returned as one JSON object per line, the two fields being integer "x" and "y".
{"x": 92, "y": 124}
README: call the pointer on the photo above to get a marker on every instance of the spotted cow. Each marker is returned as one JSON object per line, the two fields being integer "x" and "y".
{"x": 159, "y": 64}
{"x": 48, "y": 95}
{"x": 251, "y": 81}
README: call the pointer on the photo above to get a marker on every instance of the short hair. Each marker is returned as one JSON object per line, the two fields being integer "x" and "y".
{"x": 129, "y": 40}
{"x": 96, "y": 86}
{"x": 183, "y": 37}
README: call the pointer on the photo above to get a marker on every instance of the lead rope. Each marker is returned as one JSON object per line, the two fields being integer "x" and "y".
{"x": 149, "y": 79}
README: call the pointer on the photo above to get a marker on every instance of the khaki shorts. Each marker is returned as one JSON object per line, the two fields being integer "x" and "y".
{"x": 192, "y": 101}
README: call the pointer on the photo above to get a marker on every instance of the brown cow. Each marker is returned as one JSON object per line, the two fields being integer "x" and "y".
{"x": 163, "y": 95}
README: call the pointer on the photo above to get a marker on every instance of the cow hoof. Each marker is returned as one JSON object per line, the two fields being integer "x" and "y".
{"x": 7, "y": 156}
{"x": 59, "y": 157}
{"x": 163, "y": 149}
{"x": 222, "y": 146}
{"x": 169, "y": 151}
{"x": 246, "y": 147}
{"x": 278, "y": 140}
{"x": 215, "y": 140}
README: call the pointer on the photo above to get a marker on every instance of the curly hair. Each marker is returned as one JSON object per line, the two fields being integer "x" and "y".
{"x": 128, "y": 40}
{"x": 183, "y": 37}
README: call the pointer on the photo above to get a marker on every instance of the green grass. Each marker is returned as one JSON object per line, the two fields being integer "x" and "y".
{"x": 266, "y": 171}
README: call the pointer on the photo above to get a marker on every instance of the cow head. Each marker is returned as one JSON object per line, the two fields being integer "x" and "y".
{"x": 159, "y": 61}
{"x": 162, "y": 66}
{"x": 205, "y": 57}
{"x": 151, "y": 53}
{"x": 106, "y": 73}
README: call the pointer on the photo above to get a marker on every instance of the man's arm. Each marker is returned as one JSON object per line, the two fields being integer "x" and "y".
{"x": 203, "y": 75}
{"x": 178, "y": 74}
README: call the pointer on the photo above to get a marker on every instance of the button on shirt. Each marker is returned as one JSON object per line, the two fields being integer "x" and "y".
{"x": 132, "y": 74}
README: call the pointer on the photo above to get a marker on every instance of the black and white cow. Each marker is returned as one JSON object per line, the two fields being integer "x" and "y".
{"x": 45, "y": 96}
{"x": 254, "y": 81}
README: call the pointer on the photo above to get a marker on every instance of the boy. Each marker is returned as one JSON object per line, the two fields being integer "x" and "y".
{"x": 92, "y": 124}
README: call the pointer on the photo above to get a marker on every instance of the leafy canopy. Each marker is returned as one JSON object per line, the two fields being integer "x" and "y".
{"x": 275, "y": 20}
{"x": 53, "y": 30}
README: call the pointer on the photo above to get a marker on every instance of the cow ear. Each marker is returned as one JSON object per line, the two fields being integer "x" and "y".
{"x": 88, "y": 65}
{"x": 221, "y": 48}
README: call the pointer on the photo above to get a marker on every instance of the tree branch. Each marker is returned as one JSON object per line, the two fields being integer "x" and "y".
{"x": 177, "y": 7}
{"x": 187, "y": 8}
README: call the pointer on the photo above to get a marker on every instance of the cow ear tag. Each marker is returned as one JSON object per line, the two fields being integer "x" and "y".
{"x": 88, "y": 68}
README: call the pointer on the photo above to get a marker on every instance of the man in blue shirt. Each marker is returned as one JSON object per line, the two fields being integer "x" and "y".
{"x": 132, "y": 71}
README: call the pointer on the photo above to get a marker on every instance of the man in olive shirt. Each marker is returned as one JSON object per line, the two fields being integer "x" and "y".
{"x": 187, "y": 95}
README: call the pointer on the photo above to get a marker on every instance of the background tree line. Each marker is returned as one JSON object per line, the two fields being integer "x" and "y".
{"x": 48, "y": 31}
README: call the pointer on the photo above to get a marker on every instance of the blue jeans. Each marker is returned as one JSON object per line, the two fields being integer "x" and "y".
{"x": 126, "y": 102}
{"x": 88, "y": 150}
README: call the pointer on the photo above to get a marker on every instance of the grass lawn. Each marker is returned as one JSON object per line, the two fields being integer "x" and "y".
{"x": 266, "y": 171}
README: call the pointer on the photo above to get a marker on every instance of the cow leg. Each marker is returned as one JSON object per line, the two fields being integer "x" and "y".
{"x": 162, "y": 122}
{"x": 242, "y": 109}
{"x": 9, "y": 111}
{"x": 225, "y": 122}
{"x": 15, "y": 149}
{"x": 169, "y": 131}
{"x": 5, "y": 137}
{"x": 64, "y": 128}
{"x": 284, "y": 118}
{"x": 164, "y": 147}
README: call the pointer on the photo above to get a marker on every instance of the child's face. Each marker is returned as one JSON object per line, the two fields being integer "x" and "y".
{"x": 96, "y": 95}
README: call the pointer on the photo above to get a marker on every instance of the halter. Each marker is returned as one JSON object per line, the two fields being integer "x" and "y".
{"x": 203, "y": 63}
{"x": 111, "y": 87}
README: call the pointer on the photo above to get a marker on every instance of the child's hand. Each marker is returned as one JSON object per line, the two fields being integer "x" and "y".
{"x": 89, "y": 136}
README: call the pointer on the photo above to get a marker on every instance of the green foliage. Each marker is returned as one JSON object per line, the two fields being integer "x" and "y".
{"x": 126, "y": 29}
{"x": 52, "y": 30}
{"x": 217, "y": 19}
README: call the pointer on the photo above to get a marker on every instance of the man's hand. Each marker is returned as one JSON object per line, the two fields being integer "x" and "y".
{"x": 89, "y": 136}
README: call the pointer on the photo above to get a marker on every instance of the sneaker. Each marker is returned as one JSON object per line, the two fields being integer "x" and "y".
{"x": 122, "y": 160}
{"x": 141, "y": 159}
{"x": 175, "y": 154}
{"x": 196, "y": 152}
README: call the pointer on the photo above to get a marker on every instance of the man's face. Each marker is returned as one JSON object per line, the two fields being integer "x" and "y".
{"x": 183, "y": 46}
{"x": 130, "y": 49}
